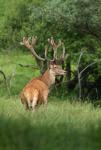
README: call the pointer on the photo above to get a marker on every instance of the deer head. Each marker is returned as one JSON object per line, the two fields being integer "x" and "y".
{"x": 56, "y": 70}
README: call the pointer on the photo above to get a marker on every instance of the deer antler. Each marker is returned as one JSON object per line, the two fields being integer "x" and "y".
{"x": 30, "y": 44}
{"x": 34, "y": 40}
{"x": 54, "y": 45}
{"x": 46, "y": 50}
{"x": 64, "y": 54}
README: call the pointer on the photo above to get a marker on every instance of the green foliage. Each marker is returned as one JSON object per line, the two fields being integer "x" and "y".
{"x": 77, "y": 22}
{"x": 70, "y": 20}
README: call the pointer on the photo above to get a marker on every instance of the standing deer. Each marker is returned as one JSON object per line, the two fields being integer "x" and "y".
{"x": 36, "y": 91}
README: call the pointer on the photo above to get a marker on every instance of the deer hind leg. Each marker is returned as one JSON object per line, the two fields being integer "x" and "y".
{"x": 35, "y": 100}
{"x": 25, "y": 102}
{"x": 45, "y": 97}
{"x": 26, "y": 105}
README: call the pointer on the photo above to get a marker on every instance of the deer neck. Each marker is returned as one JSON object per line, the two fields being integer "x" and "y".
{"x": 48, "y": 78}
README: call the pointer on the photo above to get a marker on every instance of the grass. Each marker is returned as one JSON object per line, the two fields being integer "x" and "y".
{"x": 59, "y": 125}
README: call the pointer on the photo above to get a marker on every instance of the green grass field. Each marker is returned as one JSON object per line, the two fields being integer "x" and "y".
{"x": 61, "y": 125}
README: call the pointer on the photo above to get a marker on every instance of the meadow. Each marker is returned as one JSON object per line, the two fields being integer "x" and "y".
{"x": 61, "y": 125}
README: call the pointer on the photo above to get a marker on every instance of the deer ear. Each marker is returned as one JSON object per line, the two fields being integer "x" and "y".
{"x": 51, "y": 64}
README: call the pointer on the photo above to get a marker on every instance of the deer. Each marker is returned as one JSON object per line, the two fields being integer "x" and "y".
{"x": 36, "y": 91}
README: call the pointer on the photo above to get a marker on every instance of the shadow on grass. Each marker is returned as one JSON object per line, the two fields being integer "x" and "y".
{"x": 22, "y": 135}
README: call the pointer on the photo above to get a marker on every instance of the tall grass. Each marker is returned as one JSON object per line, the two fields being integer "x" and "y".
{"x": 59, "y": 125}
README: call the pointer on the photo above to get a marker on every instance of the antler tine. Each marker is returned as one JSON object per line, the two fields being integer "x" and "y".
{"x": 64, "y": 55}
{"x": 23, "y": 41}
{"x": 54, "y": 47}
{"x": 52, "y": 43}
{"x": 63, "y": 52}
{"x": 26, "y": 42}
{"x": 59, "y": 44}
{"x": 46, "y": 50}
{"x": 34, "y": 40}
{"x": 29, "y": 39}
